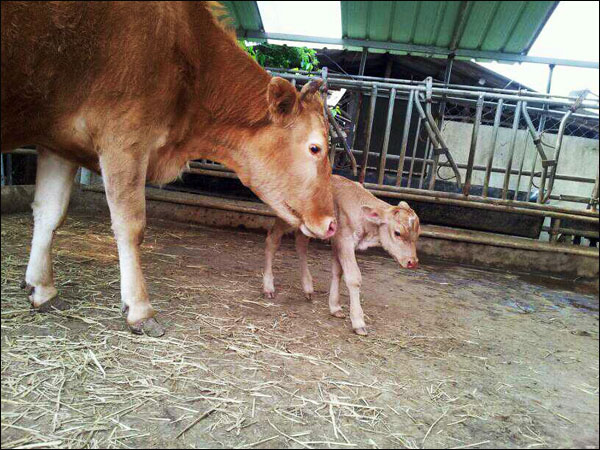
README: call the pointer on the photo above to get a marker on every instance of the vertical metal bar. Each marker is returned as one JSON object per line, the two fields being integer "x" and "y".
{"x": 414, "y": 155}
{"x": 473, "y": 148}
{"x": 405, "y": 132}
{"x": 85, "y": 177}
{"x": 2, "y": 169}
{"x": 513, "y": 140}
{"x": 426, "y": 157}
{"x": 365, "y": 160}
{"x": 516, "y": 196}
{"x": 332, "y": 150}
{"x": 447, "y": 75}
{"x": 357, "y": 103}
{"x": 363, "y": 61}
{"x": 9, "y": 170}
{"x": 294, "y": 82}
{"x": 554, "y": 230}
{"x": 542, "y": 189}
{"x": 594, "y": 197}
{"x": 488, "y": 168}
{"x": 386, "y": 137}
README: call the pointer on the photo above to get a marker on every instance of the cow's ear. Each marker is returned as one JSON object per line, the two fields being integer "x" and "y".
{"x": 404, "y": 205}
{"x": 282, "y": 98}
{"x": 374, "y": 215}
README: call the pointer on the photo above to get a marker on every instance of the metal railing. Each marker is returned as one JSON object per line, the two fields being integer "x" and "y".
{"x": 422, "y": 150}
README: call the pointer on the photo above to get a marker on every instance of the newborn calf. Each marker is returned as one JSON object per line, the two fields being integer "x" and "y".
{"x": 363, "y": 221}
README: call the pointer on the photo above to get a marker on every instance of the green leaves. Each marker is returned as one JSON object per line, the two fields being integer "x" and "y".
{"x": 282, "y": 56}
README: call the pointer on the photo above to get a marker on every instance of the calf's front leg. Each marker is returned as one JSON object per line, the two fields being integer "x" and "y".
{"x": 306, "y": 277}
{"x": 353, "y": 280}
{"x": 271, "y": 245}
{"x": 124, "y": 176}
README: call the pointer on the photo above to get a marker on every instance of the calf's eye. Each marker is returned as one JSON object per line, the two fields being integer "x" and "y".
{"x": 314, "y": 149}
{"x": 398, "y": 234}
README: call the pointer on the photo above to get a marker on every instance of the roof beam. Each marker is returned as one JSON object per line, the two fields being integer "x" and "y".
{"x": 432, "y": 50}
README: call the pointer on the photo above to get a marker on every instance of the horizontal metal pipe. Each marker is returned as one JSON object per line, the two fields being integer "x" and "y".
{"x": 573, "y": 231}
{"x": 429, "y": 232}
{"x": 457, "y": 199}
{"x": 333, "y": 83}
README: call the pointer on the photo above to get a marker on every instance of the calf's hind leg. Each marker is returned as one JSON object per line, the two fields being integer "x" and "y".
{"x": 271, "y": 245}
{"x": 54, "y": 180}
{"x": 124, "y": 180}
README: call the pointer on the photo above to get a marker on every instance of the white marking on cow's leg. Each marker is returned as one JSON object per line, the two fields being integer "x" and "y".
{"x": 271, "y": 245}
{"x": 334, "y": 291}
{"x": 302, "y": 249}
{"x": 54, "y": 181}
{"x": 124, "y": 180}
{"x": 353, "y": 280}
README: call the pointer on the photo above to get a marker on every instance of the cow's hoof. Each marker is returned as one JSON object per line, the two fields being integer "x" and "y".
{"x": 308, "y": 296}
{"x": 361, "y": 331}
{"x": 124, "y": 309}
{"x": 149, "y": 327}
{"x": 54, "y": 304}
{"x": 270, "y": 295}
{"x": 339, "y": 314}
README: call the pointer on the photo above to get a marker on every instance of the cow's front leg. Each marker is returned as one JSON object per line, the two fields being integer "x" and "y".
{"x": 54, "y": 180}
{"x": 306, "y": 277}
{"x": 353, "y": 281}
{"x": 271, "y": 245}
{"x": 124, "y": 176}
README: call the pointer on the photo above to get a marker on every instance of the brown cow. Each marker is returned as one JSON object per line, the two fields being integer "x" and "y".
{"x": 363, "y": 221}
{"x": 135, "y": 91}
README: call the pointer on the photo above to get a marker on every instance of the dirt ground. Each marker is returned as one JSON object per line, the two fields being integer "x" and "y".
{"x": 456, "y": 357}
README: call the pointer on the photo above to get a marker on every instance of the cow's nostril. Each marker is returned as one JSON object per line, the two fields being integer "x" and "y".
{"x": 332, "y": 228}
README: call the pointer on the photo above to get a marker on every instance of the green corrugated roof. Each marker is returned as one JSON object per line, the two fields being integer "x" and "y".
{"x": 245, "y": 15}
{"x": 503, "y": 26}
{"x": 485, "y": 30}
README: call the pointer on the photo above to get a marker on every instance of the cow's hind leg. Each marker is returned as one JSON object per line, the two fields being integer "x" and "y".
{"x": 124, "y": 176}
{"x": 54, "y": 180}
{"x": 306, "y": 277}
{"x": 271, "y": 245}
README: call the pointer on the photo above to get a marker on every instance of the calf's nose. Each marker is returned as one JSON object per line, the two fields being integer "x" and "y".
{"x": 412, "y": 264}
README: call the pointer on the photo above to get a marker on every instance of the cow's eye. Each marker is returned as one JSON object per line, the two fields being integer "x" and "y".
{"x": 397, "y": 234}
{"x": 314, "y": 149}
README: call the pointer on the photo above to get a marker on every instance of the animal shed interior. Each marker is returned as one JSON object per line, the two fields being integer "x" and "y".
{"x": 456, "y": 356}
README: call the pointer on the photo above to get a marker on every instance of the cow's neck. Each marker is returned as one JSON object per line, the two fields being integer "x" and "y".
{"x": 234, "y": 107}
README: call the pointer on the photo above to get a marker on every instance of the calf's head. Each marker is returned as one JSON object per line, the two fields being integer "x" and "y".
{"x": 290, "y": 168}
{"x": 399, "y": 230}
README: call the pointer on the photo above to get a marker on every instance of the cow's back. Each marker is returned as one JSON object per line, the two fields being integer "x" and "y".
{"x": 60, "y": 57}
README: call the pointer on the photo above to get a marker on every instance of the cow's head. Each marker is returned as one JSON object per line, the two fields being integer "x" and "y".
{"x": 399, "y": 230}
{"x": 291, "y": 170}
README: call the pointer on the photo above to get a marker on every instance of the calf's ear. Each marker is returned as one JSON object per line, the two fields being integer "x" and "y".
{"x": 403, "y": 205}
{"x": 282, "y": 98}
{"x": 374, "y": 215}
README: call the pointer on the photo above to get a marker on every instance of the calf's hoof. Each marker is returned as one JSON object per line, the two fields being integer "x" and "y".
{"x": 270, "y": 295}
{"x": 308, "y": 296}
{"x": 361, "y": 331}
{"x": 339, "y": 314}
{"x": 149, "y": 327}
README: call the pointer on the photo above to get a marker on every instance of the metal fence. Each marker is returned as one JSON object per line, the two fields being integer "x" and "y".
{"x": 396, "y": 132}
{"x": 396, "y": 137}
